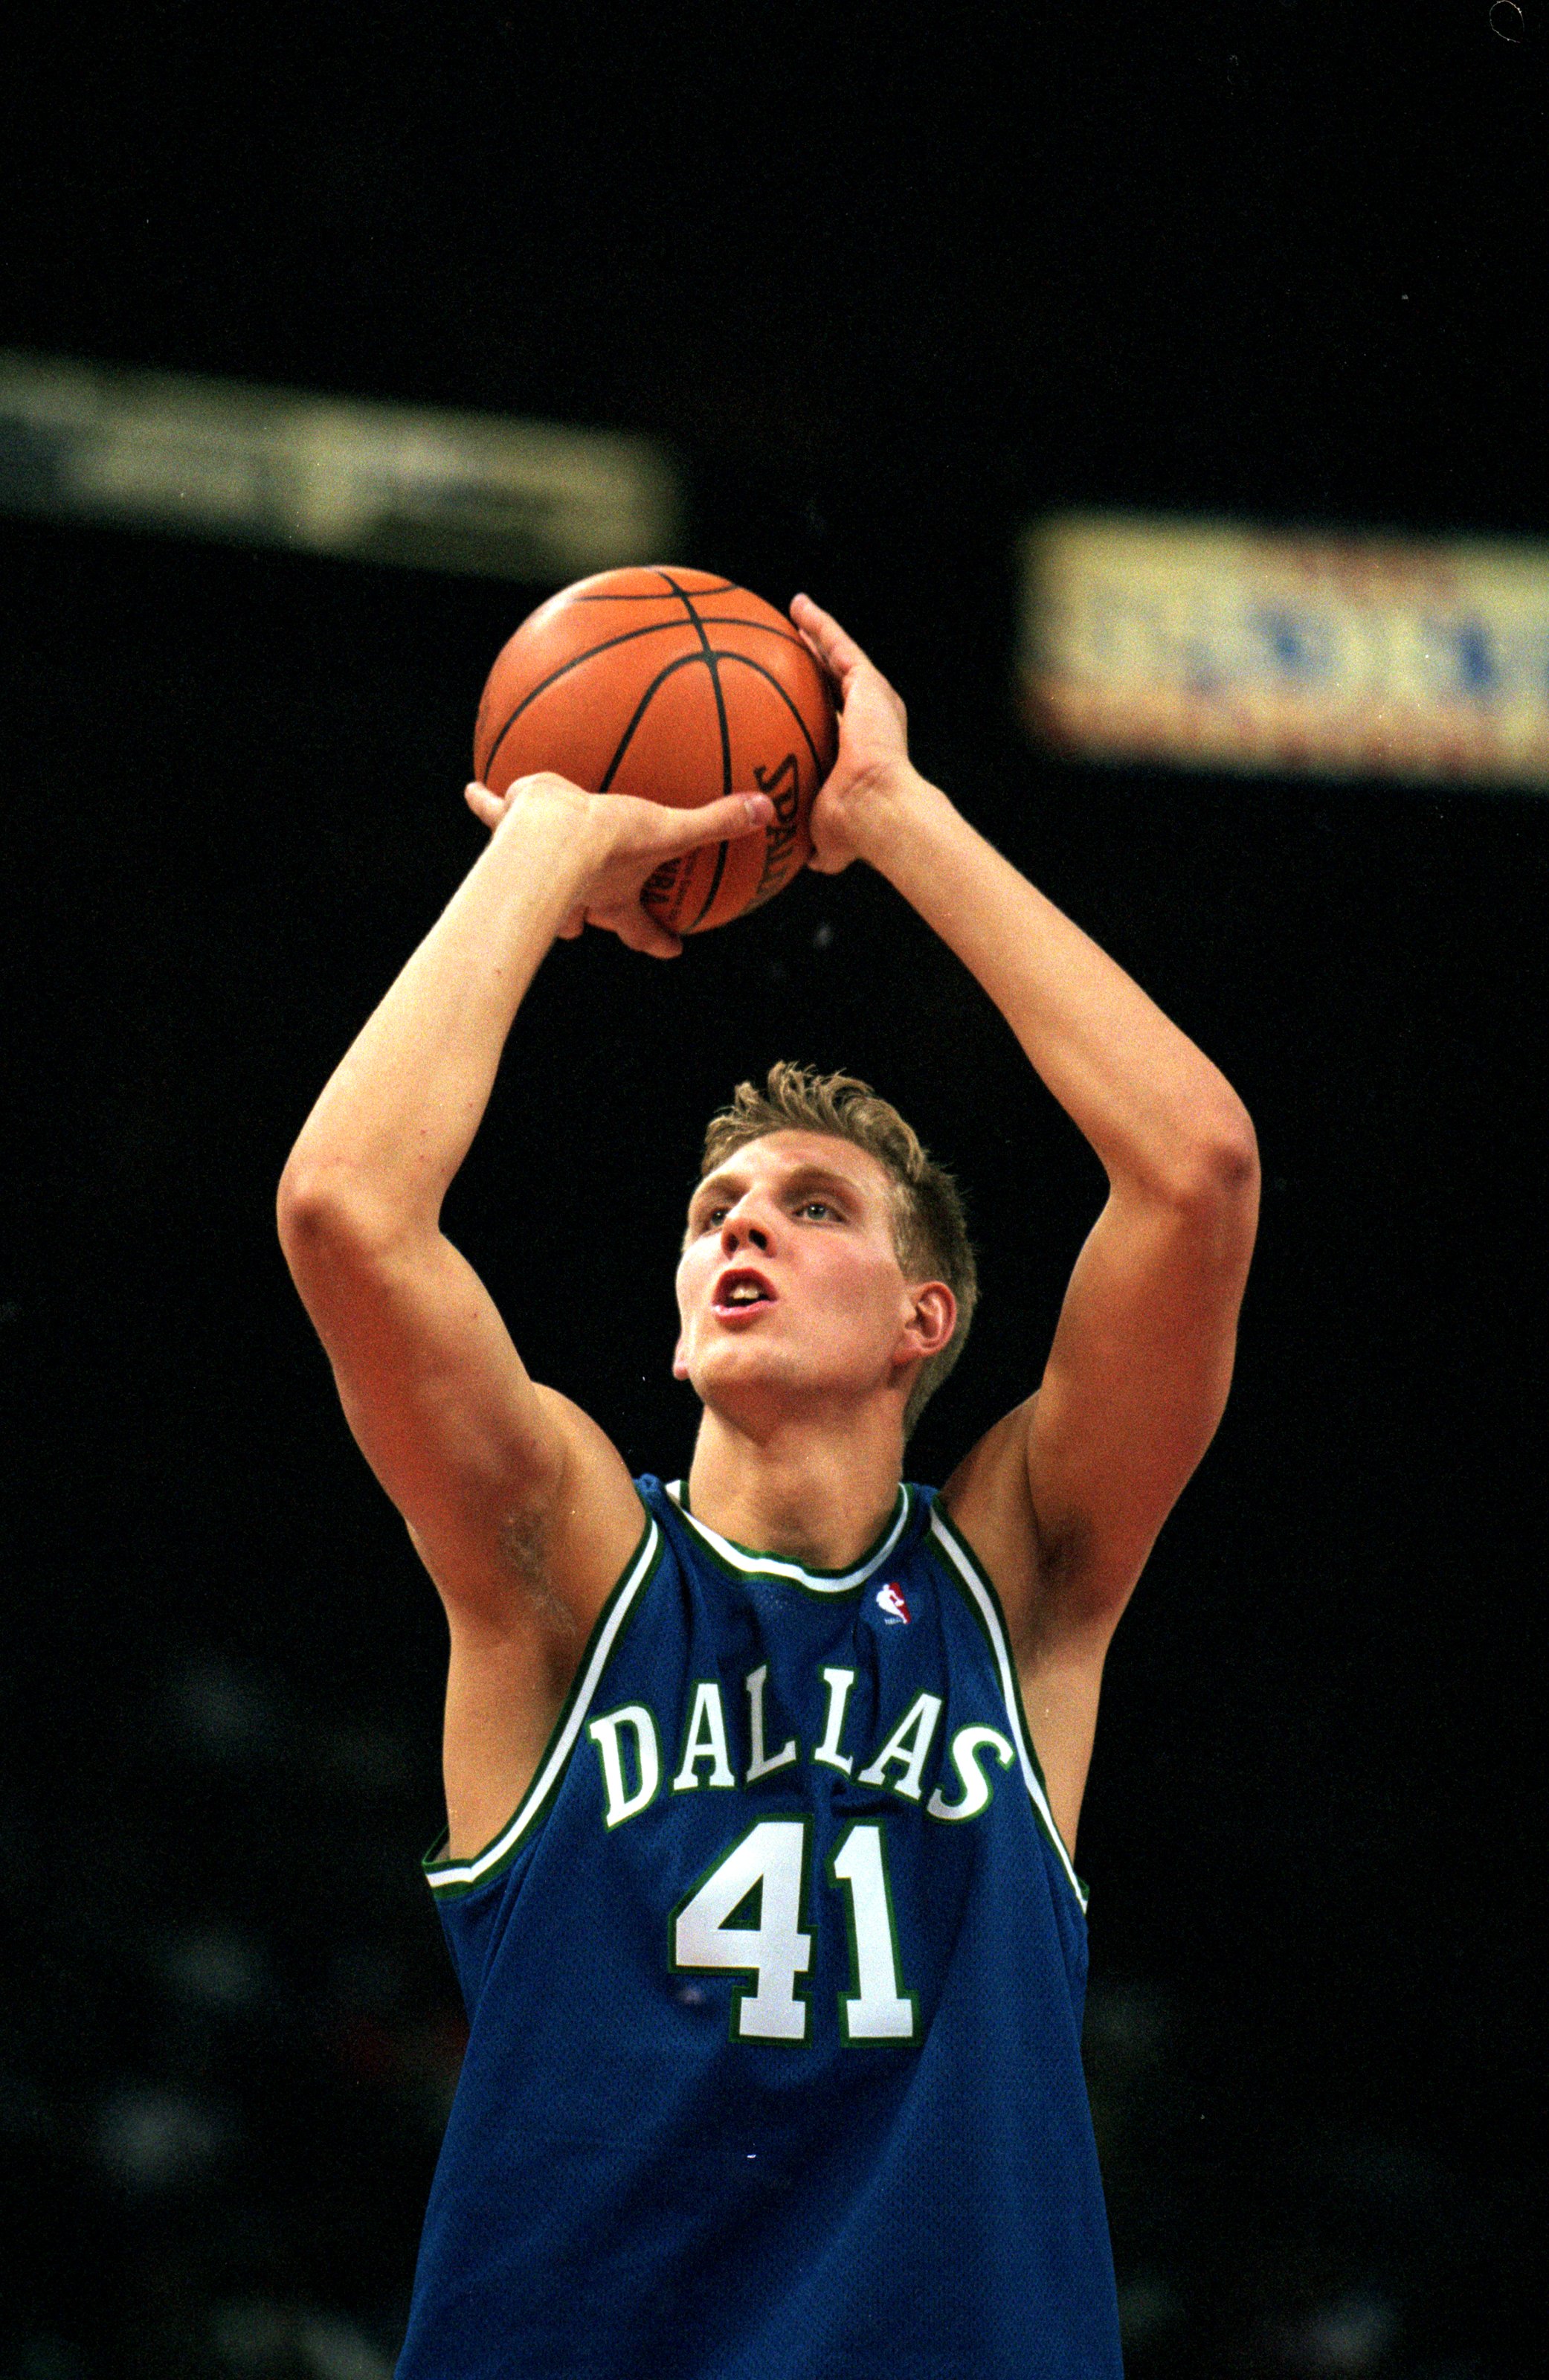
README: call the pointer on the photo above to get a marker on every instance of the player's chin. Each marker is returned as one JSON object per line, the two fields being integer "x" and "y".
{"x": 738, "y": 1360}
{"x": 734, "y": 1352}
{"x": 755, "y": 1383}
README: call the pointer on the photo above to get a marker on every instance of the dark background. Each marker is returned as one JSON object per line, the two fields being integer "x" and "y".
{"x": 888, "y": 290}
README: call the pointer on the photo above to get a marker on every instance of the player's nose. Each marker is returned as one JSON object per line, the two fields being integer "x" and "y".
{"x": 746, "y": 1225}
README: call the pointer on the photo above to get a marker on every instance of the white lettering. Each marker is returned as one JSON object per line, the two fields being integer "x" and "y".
{"x": 775, "y": 1951}
{"x": 967, "y": 1744}
{"x": 706, "y": 1740}
{"x": 604, "y": 1733}
{"x": 838, "y": 1682}
{"x": 879, "y": 2008}
{"x": 760, "y": 1764}
{"x": 907, "y": 1745}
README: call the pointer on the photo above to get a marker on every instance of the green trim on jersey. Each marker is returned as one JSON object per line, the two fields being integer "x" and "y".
{"x": 977, "y": 1589}
{"x": 450, "y": 1878}
{"x": 746, "y": 1562}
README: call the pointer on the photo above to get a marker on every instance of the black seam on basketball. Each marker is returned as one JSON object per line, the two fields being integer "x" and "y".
{"x": 716, "y": 620}
{"x": 719, "y": 871}
{"x": 712, "y": 662}
{"x": 712, "y": 659}
{"x": 727, "y": 586}
{"x": 710, "y": 619}
{"x": 654, "y": 627}
{"x": 684, "y": 660}
{"x": 765, "y": 628}
{"x": 723, "y": 620}
{"x": 624, "y": 637}
{"x": 794, "y": 707}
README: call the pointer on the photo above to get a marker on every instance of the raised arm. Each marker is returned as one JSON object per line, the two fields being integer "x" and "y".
{"x": 521, "y": 1509}
{"x": 1063, "y": 1500}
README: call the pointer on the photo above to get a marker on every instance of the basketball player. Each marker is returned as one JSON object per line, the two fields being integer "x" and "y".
{"x": 762, "y": 1788}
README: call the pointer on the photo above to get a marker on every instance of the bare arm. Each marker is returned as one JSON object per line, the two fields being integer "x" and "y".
{"x": 1064, "y": 1498}
{"x": 521, "y": 1509}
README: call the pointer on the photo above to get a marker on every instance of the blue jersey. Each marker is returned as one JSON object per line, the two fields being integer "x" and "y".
{"x": 775, "y": 1986}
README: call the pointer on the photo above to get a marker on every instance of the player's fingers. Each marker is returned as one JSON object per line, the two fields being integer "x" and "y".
{"x": 835, "y": 648}
{"x": 640, "y": 931}
{"x": 717, "y": 822}
{"x": 487, "y": 808}
{"x": 829, "y": 863}
{"x": 816, "y": 649}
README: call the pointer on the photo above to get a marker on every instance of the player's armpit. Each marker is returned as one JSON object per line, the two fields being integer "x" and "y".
{"x": 501, "y": 1481}
{"x": 991, "y": 1503}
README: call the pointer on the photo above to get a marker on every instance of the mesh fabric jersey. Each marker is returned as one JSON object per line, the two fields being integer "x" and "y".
{"x": 775, "y": 1985}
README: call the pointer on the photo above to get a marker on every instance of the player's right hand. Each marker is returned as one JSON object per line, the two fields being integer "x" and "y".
{"x": 630, "y": 839}
{"x": 873, "y": 743}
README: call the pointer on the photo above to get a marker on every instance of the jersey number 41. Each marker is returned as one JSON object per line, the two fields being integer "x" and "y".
{"x": 760, "y": 1881}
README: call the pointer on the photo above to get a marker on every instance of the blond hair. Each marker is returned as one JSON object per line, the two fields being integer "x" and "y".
{"x": 930, "y": 1233}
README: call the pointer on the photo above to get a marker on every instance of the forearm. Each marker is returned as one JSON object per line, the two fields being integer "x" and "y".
{"x": 1154, "y": 1108}
{"x": 399, "y": 1113}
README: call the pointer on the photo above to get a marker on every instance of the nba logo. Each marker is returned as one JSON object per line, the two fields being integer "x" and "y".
{"x": 894, "y": 1609}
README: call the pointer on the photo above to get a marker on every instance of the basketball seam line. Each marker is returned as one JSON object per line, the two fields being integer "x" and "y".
{"x": 625, "y": 635}
{"x": 727, "y": 586}
{"x": 712, "y": 664}
{"x": 793, "y": 708}
{"x": 683, "y": 661}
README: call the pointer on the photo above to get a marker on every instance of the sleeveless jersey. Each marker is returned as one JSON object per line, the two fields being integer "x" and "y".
{"x": 775, "y": 1984}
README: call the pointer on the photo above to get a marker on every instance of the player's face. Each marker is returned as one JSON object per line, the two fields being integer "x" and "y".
{"x": 790, "y": 1286}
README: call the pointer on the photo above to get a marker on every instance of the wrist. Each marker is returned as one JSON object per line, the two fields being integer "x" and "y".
{"x": 896, "y": 815}
{"x": 559, "y": 828}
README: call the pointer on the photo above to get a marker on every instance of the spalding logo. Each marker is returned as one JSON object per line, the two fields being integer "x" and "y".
{"x": 893, "y": 1606}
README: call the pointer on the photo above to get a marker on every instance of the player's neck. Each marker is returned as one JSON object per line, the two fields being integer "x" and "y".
{"x": 807, "y": 1490}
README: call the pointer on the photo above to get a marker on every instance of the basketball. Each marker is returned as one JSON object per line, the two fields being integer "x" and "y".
{"x": 679, "y": 687}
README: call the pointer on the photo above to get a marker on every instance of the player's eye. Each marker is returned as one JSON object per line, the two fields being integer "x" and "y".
{"x": 819, "y": 1206}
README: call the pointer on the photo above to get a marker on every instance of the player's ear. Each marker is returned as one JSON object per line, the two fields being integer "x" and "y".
{"x": 680, "y": 1361}
{"x": 934, "y": 1319}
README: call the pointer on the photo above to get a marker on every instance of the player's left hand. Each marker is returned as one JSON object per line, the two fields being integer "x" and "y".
{"x": 873, "y": 741}
{"x": 626, "y": 840}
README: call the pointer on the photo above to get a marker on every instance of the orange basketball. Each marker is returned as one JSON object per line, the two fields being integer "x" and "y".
{"x": 680, "y": 686}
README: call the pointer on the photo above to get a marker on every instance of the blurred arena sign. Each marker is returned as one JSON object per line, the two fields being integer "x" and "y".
{"x": 523, "y": 500}
{"x": 1216, "y": 646}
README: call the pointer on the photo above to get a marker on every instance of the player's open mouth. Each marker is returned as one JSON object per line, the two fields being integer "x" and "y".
{"x": 741, "y": 1293}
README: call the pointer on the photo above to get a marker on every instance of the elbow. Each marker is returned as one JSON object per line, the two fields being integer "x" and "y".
{"x": 307, "y": 1211}
{"x": 1233, "y": 1158}
{"x": 1216, "y": 1175}
{"x": 324, "y": 1214}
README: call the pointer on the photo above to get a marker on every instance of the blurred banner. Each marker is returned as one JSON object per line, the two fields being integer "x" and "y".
{"x": 463, "y": 491}
{"x": 1213, "y": 646}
